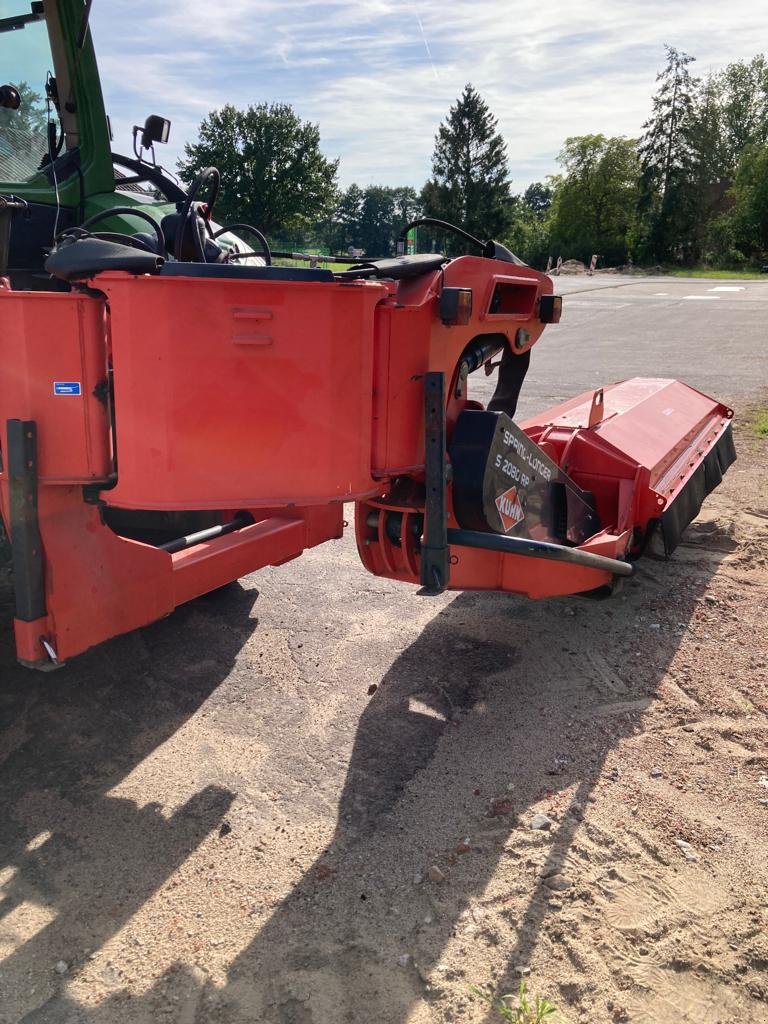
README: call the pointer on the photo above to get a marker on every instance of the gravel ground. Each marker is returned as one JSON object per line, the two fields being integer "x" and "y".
{"x": 309, "y": 799}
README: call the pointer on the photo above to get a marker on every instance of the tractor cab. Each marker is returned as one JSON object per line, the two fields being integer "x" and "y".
{"x": 57, "y": 167}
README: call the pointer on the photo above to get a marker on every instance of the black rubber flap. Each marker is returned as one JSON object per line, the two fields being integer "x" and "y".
{"x": 504, "y": 483}
{"x": 706, "y": 477}
{"x": 78, "y": 260}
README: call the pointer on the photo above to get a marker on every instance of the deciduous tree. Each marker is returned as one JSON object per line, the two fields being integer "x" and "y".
{"x": 273, "y": 172}
{"x": 538, "y": 198}
{"x": 371, "y": 218}
{"x": 595, "y": 199}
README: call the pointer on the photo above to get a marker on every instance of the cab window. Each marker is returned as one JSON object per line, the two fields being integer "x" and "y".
{"x": 25, "y": 62}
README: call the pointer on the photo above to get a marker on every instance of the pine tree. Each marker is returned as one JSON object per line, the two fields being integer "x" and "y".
{"x": 665, "y": 159}
{"x": 470, "y": 177}
{"x": 710, "y": 169}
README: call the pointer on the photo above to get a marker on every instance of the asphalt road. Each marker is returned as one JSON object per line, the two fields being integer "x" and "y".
{"x": 170, "y": 801}
{"x": 711, "y": 334}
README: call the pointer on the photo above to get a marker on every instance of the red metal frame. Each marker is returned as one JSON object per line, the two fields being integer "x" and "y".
{"x": 285, "y": 399}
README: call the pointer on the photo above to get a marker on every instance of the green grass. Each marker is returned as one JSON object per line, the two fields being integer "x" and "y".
{"x": 760, "y": 422}
{"x": 517, "y": 1009}
{"x": 335, "y": 267}
{"x": 717, "y": 275}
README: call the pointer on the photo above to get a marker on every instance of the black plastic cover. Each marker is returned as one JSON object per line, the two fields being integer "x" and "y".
{"x": 504, "y": 483}
{"x": 246, "y": 273}
{"x": 401, "y": 267}
{"x": 79, "y": 260}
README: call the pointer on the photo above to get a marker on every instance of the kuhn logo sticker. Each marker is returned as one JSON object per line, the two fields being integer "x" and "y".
{"x": 510, "y": 509}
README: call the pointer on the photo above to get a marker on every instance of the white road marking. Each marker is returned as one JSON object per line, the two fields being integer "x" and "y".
{"x": 728, "y": 288}
{"x": 709, "y": 298}
{"x": 570, "y": 303}
{"x": 661, "y": 293}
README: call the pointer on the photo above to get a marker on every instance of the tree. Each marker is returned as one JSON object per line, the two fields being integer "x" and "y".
{"x": 384, "y": 212}
{"x": 371, "y": 218}
{"x": 528, "y": 232}
{"x": 528, "y": 235}
{"x": 340, "y": 231}
{"x": 407, "y": 207}
{"x": 273, "y": 173}
{"x": 663, "y": 147}
{"x": 538, "y": 198}
{"x": 710, "y": 170}
{"x": 665, "y": 158}
{"x": 595, "y": 200}
{"x": 470, "y": 177}
{"x": 743, "y": 103}
{"x": 30, "y": 117}
{"x": 730, "y": 114}
{"x": 749, "y": 217}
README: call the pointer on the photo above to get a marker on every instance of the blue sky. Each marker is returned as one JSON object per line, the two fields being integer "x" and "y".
{"x": 379, "y": 75}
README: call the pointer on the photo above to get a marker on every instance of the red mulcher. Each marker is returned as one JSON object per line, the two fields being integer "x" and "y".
{"x": 177, "y": 411}
{"x": 255, "y": 400}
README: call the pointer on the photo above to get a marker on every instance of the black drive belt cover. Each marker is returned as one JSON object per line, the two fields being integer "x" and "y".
{"x": 504, "y": 483}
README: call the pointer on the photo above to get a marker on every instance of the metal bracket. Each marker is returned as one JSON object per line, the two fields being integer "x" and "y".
{"x": 435, "y": 569}
{"x": 597, "y": 408}
{"x": 26, "y": 544}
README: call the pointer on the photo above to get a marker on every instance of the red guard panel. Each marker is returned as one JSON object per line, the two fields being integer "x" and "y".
{"x": 241, "y": 394}
{"x": 54, "y": 371}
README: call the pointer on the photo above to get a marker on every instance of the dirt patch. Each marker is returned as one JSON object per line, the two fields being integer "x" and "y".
{"x": 213, "y": 820}
{"x": 572, "y": 267}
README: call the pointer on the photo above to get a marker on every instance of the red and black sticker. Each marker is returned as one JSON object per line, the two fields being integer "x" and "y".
{"x": 510, "y": 508}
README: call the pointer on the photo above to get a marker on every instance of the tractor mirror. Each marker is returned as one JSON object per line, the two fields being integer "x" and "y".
{"x": 156, "y": 129}
{"x": 9, "y": 97}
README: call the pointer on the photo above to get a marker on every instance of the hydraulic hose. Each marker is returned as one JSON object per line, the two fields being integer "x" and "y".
{"x": 539, "y": 549}
{"x": 441, "y": 225}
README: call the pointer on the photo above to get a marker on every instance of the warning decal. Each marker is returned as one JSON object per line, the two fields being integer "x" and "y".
{"x": 510, "y": 510}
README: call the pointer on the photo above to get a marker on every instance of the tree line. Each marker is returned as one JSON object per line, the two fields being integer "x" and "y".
{"x": 691, "y": 189}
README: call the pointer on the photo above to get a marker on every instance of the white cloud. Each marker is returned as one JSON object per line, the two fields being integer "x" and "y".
{"x": 379, "y": 75}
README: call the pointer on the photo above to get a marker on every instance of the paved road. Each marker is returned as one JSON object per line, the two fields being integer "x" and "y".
{"x": 711, "y": 334}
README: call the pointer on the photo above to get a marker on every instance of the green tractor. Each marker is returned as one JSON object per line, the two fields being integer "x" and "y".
{"x": 58, "y": 169}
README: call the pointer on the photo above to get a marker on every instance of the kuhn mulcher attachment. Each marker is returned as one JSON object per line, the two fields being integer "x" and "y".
{"x": 167, "y": 432}
{"x": 169, "y": 425}
{"x": 177, "y": 411}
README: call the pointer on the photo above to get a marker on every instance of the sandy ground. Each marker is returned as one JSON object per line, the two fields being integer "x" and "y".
{"x": 308, "y": 800}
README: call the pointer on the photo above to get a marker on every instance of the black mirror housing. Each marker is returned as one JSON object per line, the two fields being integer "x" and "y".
{"x": 9, "y": 97}
{"x": 156, "y": 129}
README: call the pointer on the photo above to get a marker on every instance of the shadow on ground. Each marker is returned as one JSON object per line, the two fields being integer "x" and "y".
{"x": 69, "y": 737}
{"x": 497, "y": 705}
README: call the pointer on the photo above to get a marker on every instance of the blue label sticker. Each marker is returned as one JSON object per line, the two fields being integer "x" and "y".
{"x": 67, "y": 387}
